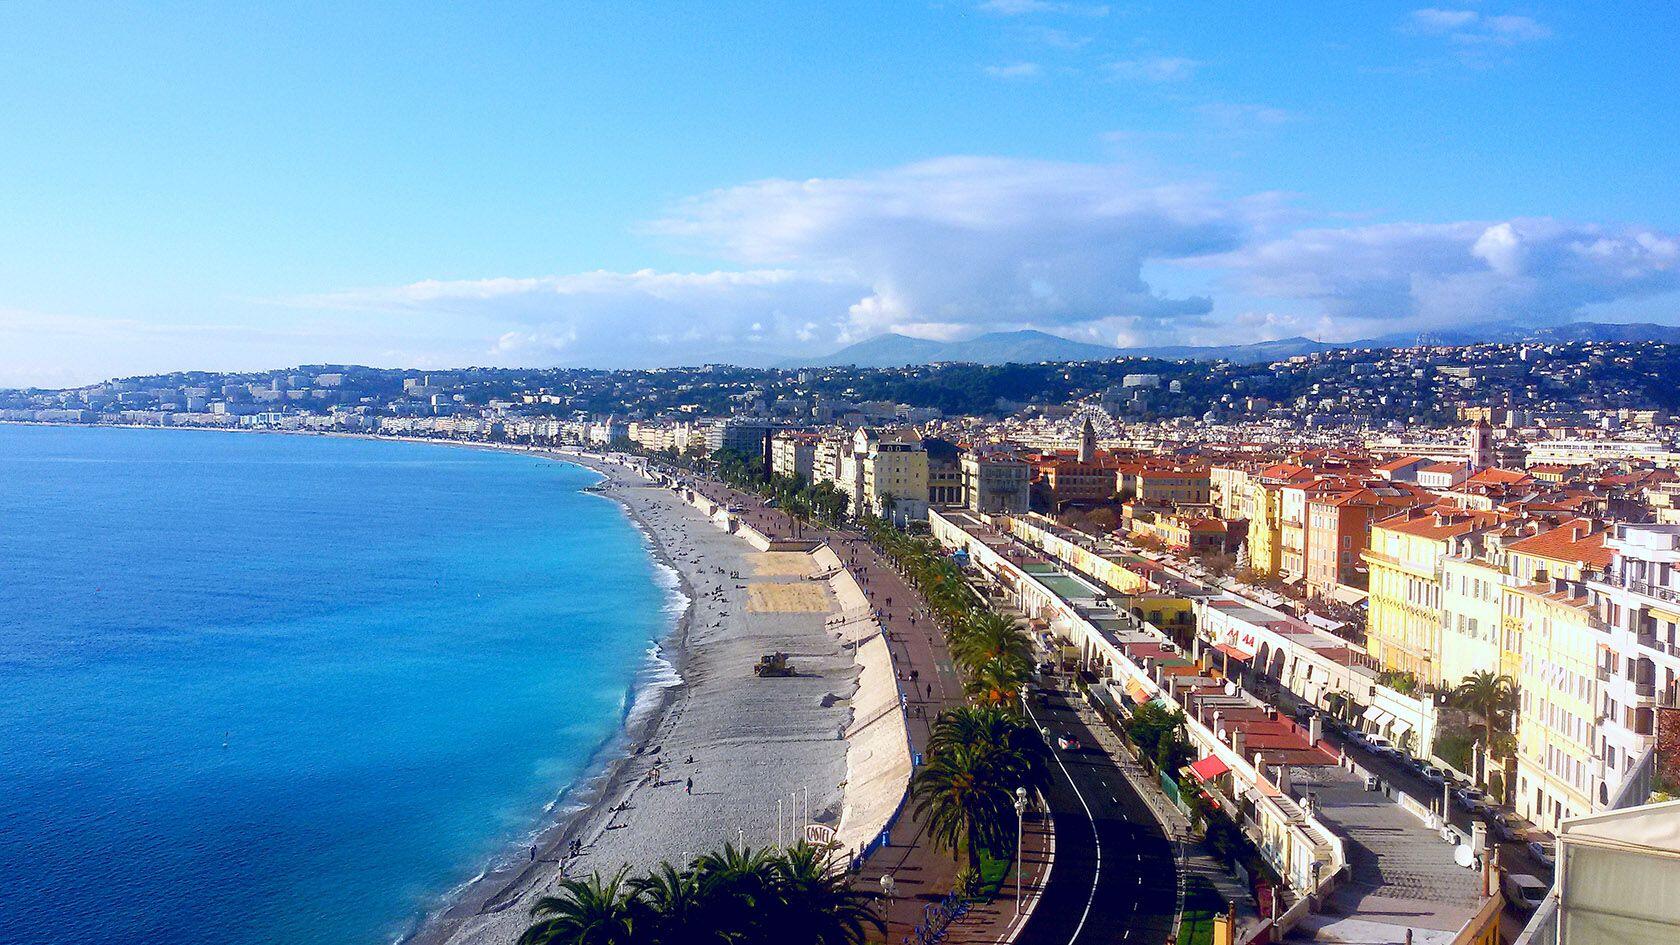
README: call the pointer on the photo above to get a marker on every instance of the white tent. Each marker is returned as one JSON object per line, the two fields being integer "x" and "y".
{"x": 1618, "y": 873}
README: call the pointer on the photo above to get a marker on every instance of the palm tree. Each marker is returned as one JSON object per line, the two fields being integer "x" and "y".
{"x": 815, "y": 904}
{"x": 737, "y": 886}
{"x": 675, "y": 905}
{"x": 990, "y": 637}
{"x": 964, "y": 803}
{"x": 1020, "y": 756}
{"x": 996, "y": 682}
{"x": 1494, "y": 698}
{"x": 587, "y": 912}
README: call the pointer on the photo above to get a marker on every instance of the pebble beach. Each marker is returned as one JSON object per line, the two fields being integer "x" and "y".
{"x": 713, "y": 754}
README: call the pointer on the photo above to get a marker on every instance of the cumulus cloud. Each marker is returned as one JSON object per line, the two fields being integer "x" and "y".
{"x": 1407, "y": 276}
{"x": 954, "y": 246}
{"x": 985, "y": 242}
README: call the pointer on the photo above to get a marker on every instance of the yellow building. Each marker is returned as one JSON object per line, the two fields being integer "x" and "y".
{"x": 1555, "y": 720}
{"x": 1405, "y": 560}
{"x": 1472, "y": 631}
{"x": 1265, "y": 545}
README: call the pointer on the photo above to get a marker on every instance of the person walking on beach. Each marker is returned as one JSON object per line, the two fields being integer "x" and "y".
{"x": 690, "y": 785}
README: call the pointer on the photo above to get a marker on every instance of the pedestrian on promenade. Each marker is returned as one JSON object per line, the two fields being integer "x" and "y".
{"x": 690, "y": 785}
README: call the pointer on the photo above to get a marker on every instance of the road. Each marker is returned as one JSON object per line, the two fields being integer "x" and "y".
{"x": 1115, "y": 878}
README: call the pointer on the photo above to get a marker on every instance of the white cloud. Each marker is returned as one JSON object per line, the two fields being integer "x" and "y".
{"x": 1410, "y": 276}
{"x": 1155, "y": 69}
{"x": 984, "y": 242}
{"x": 624, "y": 318}
{"x": 1026, "y": 7}
{"x": 1470, "y": 27}
{"x": 958, "y": 245}
{"x": 1014, "y": 70}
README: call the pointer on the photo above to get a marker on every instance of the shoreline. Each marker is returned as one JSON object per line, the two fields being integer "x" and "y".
{"x": 577, "y": 805}
{"x": 767, "y": 736}
{"x": 615, "y": 812}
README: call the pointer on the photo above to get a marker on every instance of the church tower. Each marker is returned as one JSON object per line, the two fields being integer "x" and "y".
{"x": 1480, "y": 440}
{"x": 1088, "y": 442}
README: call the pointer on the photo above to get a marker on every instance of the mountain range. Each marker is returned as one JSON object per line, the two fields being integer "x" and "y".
{"x": 1031, "y": 347}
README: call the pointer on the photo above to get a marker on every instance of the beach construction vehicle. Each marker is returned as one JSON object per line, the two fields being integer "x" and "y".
{"x": 773, "y": 664}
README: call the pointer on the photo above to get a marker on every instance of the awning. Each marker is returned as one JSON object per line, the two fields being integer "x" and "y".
{"x": 1233, "y": 652}
{"x": 1401, "y": 727}
{"x": 1138, "y": 691}
{"x": 1377, "y": 717}
{"x": 1209, "y": 768}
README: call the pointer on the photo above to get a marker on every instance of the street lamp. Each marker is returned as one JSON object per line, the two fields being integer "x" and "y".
{"x": 1020, "y": 820}
{"x": 887, "y": 888}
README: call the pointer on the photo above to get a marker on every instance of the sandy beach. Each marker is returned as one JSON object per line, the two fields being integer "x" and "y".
{"x": 747, "y": 743}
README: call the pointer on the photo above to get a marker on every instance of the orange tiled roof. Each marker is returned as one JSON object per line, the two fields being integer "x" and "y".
{"x": 1579, "y": 540}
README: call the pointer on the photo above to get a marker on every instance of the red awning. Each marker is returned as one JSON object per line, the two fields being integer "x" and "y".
{"x": 1208, "y": 768}
{"x": 1233, "y": 652}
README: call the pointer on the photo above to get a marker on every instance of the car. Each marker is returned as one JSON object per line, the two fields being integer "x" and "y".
{"x": 1474, "y": 800}
{"x": 1434, "y": 775}
{"x": 1525, "y": 892}
{"x": 1501, "y": 828}
{"x": 1067, "y": 743}
{"x": 1542, "y": 850}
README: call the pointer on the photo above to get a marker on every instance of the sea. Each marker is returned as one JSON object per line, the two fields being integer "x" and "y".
{"x": 293, "y": 689}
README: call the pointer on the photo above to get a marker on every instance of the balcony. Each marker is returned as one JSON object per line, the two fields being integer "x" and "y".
{"x": 1645, "y": 690}
{"x": 1604, "y": 674}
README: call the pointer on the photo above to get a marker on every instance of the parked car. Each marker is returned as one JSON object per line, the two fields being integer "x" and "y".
{"x": 1500, "y": 827}
{"x": 1434, "y": 775}
{"x": 1543, "y": 851}
{"x": 1524, "y": 891}
{"x": 1382, "y": 746}
{"x": 1474, "y": 800}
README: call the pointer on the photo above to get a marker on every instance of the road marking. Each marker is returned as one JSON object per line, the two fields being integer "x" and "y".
{"x": 1096, "y": 840}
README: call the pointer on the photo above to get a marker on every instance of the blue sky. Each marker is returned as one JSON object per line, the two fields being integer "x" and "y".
{"x": 225, "y": 185}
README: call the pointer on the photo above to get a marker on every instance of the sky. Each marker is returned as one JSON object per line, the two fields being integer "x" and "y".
{"x": 240, "y": 186}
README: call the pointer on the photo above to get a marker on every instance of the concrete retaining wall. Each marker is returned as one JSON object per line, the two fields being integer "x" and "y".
{"x": 878, "y": 759}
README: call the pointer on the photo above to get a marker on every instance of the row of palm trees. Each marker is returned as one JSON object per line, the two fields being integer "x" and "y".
{"x": 792, "y": 896}
{"x": 981, "y": 756}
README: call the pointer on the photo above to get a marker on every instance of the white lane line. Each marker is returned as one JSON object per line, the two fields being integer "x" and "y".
{"x": 1096, "y": 839}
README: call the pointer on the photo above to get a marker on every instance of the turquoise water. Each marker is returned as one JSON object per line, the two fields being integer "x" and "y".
{"x": 290, "y": 689}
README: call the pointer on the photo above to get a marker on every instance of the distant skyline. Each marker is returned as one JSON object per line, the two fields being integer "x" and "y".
{"x": 211, "y": 186}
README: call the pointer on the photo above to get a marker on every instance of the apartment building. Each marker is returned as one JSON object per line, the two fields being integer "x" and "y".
{"x": 1405, "y": 561}
{"x": 996, "y": 483}
{"x": 886, "y": 473}
{"x": 794, "y": 454}
{"x": 1338, "y": 530}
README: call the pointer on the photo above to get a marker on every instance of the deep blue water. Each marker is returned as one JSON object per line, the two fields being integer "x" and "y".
{"x": 279, "y": 689}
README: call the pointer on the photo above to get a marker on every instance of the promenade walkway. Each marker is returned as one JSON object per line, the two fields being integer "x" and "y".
{"x": 922, "y": 875}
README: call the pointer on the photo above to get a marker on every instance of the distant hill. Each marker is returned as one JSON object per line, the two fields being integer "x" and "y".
{"x": 1259, "y": 352}
{"x": 1000, "y": 347}
{"x": 1031, "y": 347}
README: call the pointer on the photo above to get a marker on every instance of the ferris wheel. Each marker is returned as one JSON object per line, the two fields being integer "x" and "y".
{"x": 1100, "y": 421}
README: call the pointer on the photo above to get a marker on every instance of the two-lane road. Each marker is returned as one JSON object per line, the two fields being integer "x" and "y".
{"x": 1115, "y": 878}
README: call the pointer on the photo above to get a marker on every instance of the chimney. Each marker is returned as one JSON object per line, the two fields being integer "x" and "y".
{"x": 1315, "y": 729}
{"x": 1239, "y": 741}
